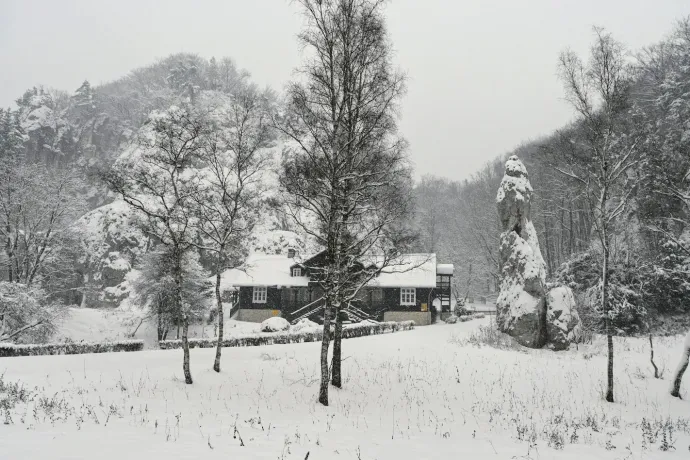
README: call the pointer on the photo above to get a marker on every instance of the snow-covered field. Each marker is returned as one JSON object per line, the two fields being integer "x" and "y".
{"x": 100, "y": 325}
{"x": 422, "y": 394}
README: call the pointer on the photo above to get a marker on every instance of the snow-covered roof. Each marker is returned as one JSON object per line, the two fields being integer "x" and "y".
{"x": 263, "y": 270}
{"x": 410, "y": 270}
{"x": 445, "y": 269}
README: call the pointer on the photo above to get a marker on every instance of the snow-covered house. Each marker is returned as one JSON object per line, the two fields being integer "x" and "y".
{"x": 285, "y": 285}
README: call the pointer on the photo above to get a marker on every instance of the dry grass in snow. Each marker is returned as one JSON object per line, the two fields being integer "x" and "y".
{"x": 433, "y": 393}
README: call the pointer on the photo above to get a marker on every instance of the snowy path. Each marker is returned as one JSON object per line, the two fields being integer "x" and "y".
{"x": 410, "y": 395}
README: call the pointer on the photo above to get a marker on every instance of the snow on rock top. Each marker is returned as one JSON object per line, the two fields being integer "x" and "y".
{"x": 515, "y": 181}
{"x": 514, "y": 167}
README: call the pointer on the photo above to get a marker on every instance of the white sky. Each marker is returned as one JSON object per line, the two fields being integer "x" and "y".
{"x": 482, "y": 73}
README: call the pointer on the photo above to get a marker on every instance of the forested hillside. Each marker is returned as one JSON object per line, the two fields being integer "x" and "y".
{"x": 647, "y": 124}
{"x": 64, "y": 233}
{"x": 89, "y": 127}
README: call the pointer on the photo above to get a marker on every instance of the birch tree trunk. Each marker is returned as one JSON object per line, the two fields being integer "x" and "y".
{"x": 159, "y": 314}
{"x": 185, "y": 348}
{"x": 185, "y": 318}
{"x": 325, "y": 343}
{"x": 336, "y": 377}
{"x": 682, "y": 367}
{"x": 607, "y": 318}
{"x": 219, "y": 301}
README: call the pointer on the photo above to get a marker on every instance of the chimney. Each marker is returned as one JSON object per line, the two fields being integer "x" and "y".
{"x": 291, "y": 253}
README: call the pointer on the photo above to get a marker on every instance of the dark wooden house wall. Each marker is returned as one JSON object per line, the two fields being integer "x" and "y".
{"x": 291, "y": 299}
{"x": 392, "y": 299}
{"x": 272, "y": 299}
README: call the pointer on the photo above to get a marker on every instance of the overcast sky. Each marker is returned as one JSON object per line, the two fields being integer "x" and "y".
{"x": 482, "y": 73}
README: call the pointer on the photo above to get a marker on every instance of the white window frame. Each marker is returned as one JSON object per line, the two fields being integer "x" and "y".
{"x": 408, "y": 296}
{"x": 259, "y": 294}
{"x": 297, "y": 271}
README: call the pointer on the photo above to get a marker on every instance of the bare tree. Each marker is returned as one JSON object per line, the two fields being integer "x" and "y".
{"x": 598, "y": 91}
{"x": 344, "y": 169}
{"x": 228, "y": 203}
{"x": 38, "y": 205}
{"x": 158, "y": 182}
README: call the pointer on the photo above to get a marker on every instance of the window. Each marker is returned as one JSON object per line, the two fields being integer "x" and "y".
{"x": 443, "y": 281}
{"x": 259, "y": 294}
{"x": 296, "y": 272}
{"x": 408, "y": 296}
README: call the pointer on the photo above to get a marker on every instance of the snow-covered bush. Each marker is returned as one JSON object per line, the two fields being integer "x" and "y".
{"x": 26, "y": 313}
{"x": 461, "y": 310}
{"x": 667, "y": 282}
{"x": 304, "y": 324}
{"x": 627, "y": 314}
{"x": 69, "y": 348}
{"x": 451, "y": 319}
{"x": 275, "y": 324}
{"x": 470, "y": 317}
{"x": 581, "y": 272}
{"x": 306, "y": 335}
{"x": 629, "y": 292}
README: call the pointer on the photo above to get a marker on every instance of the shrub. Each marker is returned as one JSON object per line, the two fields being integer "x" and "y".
{"x": 627, "y": 315}
{"x": 628, "y": 301}
{"x": 667, "y": 282}
{"x": 470, "y": 317}
{"x": 26, "y": 313}
{"x": 304, "y": 323}
{"x": 69, "y": 348}
{"x": 275, "y": 324}
{"x": 308, "y": 335}
{"x": 461, "y": 310}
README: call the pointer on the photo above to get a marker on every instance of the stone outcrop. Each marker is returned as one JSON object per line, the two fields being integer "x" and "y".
{"x": 563, "y": 325}
{"x": 111, "y": 245}
{"x": 523, "y": 308}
